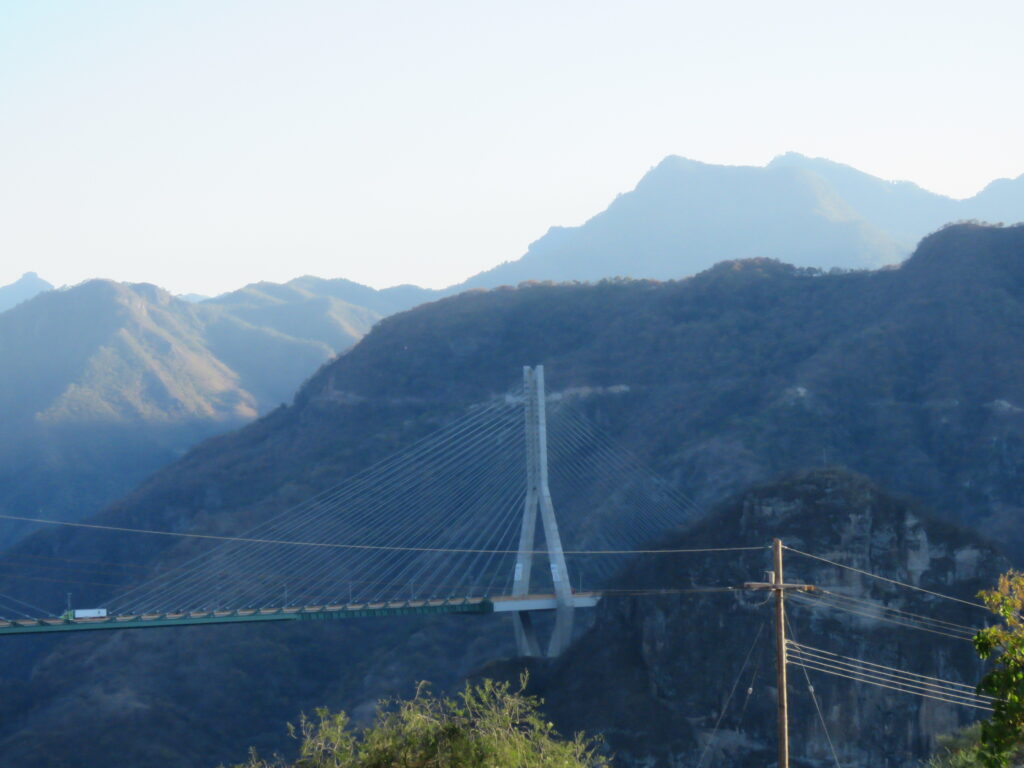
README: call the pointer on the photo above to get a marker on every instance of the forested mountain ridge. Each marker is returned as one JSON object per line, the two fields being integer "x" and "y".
{"x": 104, "y": 382}
{"x": 684, "y": 216}
{"x": 911, "y": 376}
{"x": 336, "y": 312}
{"x": 105, "y": 351}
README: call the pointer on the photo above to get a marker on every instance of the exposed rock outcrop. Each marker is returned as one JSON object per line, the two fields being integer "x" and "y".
{"x": 655, "y": 673}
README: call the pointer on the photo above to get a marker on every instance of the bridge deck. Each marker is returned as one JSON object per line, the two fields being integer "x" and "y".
{"x": 475, "y": 605}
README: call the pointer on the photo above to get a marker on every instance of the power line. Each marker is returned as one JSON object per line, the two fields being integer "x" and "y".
{"x": 887, "y": 579}
{"x": 654, "y": 592}
{"x": 10, "y": 555}
{"x": 375, "y": 547}
{"x": 873, "y": 604}
{"x": 832, "y": 671}
{"x": 869, "y": 666}
{"x": 874, "y": 674}
{"x": 20, "y": 577}
{"x": 878, "y": 611}
{"x": 821, "y": 602}
{"x": 728, "y": 699}
{"x": 817, "y": 706}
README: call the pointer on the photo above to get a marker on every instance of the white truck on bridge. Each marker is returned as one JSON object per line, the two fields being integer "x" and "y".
{"x": 85, "y": 613}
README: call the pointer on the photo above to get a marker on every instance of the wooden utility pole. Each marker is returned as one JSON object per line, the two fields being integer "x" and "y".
{"x": 779, "y": 587}
{"x": 780, "y": 655}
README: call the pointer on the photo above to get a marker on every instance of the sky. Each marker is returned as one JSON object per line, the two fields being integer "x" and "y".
{"x": 204, "y": 145}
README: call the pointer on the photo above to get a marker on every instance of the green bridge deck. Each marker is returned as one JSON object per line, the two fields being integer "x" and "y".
{"x": 477, "y": 605}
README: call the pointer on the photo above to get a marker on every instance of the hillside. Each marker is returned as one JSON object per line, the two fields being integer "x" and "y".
{"x": 105, "y": 351}
{"x": 336, "y": 313}
{"x": 910, "y": 376}
{"x": 105, "y": 382}
{"x": 684, "y": 216}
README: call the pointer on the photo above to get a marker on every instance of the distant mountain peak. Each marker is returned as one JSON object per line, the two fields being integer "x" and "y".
{"x": 685, "y": 215}
{"x": 22, "y": 289}
{"x": 679, "y": 162}
{"x": 793, "y": 158}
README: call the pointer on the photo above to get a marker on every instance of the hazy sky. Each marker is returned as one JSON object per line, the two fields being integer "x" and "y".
{"x": 203, "y": 145}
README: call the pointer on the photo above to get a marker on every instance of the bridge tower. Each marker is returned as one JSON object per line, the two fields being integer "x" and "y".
{"x": 538, "y": 498}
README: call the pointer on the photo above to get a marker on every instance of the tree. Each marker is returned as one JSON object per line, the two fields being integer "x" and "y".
{"x": 486, "y": 726}
{"x": 1002, "y": 735}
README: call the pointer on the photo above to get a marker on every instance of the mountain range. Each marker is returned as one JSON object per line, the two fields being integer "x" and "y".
{"x": 912, "y": 377}
{"x": 105, "y": 382}
{"x": 685, "y": 216}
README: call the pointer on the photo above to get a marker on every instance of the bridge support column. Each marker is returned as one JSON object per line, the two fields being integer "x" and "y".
{"x": 538, "y": 498}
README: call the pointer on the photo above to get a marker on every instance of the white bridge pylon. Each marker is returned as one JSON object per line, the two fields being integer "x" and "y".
{"x": 538, "y": 499}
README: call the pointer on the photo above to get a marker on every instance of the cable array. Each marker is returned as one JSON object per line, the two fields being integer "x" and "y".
{"x": 12, "y": 607}
{"x": 439, "y": 519}
{"x": 370, "y": 537}
{"x": 886, "y": 579}
{"x": 870, "y": 609}
{"x": 608, "y": 496}
{"x": 891, "y": 678}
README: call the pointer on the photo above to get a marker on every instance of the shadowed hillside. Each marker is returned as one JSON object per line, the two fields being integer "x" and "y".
{"x": 910, "y": 376}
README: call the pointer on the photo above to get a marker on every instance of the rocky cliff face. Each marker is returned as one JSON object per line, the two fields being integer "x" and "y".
{"x": 655, "y": 673}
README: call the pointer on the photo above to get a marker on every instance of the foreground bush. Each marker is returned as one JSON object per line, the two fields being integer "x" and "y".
{"x": 486, "y": 726}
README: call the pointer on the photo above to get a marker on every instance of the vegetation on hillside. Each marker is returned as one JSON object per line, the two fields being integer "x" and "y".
{"x": 913, "y": 377}
{"x": 957, "y": 750}
{"x": 488, "y": 725}
{"x": 104, "y": 382}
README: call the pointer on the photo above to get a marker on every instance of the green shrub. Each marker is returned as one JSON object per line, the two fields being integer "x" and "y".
{"x": 485, "y": 726}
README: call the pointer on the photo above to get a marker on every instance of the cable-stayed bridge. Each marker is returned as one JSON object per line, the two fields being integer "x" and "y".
{"x": 463, "y": 521}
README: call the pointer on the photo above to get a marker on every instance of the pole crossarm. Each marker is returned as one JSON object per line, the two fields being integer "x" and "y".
{"x": 779, "y": 586}
{"x": 784, "y": 587}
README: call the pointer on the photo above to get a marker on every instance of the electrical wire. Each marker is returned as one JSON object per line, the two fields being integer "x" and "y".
{"x": 873, "y": 604}
{"x": 806, "y": 599}
{"x": 871, "y": 667}
{"x": 887, "y": 579}
{"x": 725, "y": 707}
{"x": 834, "y": 672}
{"x": 382, "y": 547}
{"x": 878, "y": 611}
{"x": 908, "y": 682}
{"x": 817, "y": 706}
